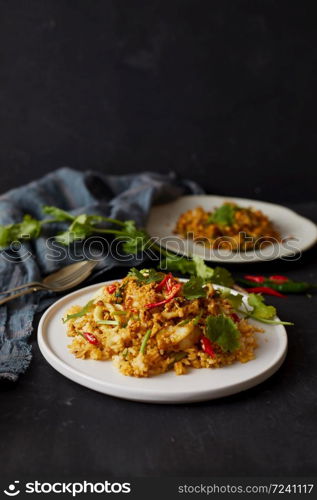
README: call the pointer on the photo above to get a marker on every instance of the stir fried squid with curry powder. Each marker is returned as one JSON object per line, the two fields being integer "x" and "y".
{"x": 151, "y": 322}
{"x": 228, "y": 227}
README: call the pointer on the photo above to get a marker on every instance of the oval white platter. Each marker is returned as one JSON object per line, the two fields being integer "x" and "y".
{"x": 196, "y": 385}
{"x": 299, "y": 233}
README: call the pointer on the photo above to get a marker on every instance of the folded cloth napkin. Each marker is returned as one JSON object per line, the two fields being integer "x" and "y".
{"x": 119, "y": 197}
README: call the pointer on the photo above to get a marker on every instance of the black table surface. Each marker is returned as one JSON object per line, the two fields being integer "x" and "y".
{"x": 223, "y": 93}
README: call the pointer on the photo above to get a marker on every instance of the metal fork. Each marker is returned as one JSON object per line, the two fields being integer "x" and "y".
{"x": 63, "y": 279}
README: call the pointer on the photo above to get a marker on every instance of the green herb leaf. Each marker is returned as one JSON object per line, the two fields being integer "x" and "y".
{"x": 218, "y": 275}
{"x": 79, "y": 229}
{"x": 5, "y": 238}
{"x": 193, "y": 288}
{"x": 260, "y": 309}
{"x": 197, "y": 267}
{"x": 58, "y": 213}
{"x": 235, "y": 299}
{"x": 134, "y": 240}
{"x": 80, "y": 313}
{"x": 222, "y": 277}
{"x": 224, "y": 215}
{"x": 27, "y": 228}
{"x": 145, "y": 276}
{"x": 180, "y": 264}
{"x": 145, "y": 341}
{"x": 202, "y": 270}
{"x": 223, "y": 331}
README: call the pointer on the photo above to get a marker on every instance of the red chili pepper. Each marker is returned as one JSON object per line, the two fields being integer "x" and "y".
{"x": 207, "y": 346}
{"x": 165, "y": 282}
{"x": 175, "y": 289}
{"x": 265, "y": 289}
{"x": 111, "y": 288}
{"x": 170, "y": 283}
{"x": 278, "y": 278}
{"x": 256, "y": 279}
{"x": 91, "y": 338}
{"x": 235, "y": 317}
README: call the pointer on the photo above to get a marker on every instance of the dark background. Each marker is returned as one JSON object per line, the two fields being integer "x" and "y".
{"x": 223, "y": 92}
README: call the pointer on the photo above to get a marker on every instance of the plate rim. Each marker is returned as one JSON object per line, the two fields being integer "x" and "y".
{"x": 236, "y": 260}
{"x": 144, "y": 395}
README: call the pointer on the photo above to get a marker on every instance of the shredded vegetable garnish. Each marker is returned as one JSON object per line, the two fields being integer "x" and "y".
{"x": 145, "y": 341}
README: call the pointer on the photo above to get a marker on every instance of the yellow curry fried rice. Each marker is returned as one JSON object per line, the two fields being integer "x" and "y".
{"x": 151, "y": 322}
{"x": 228, "y": 227}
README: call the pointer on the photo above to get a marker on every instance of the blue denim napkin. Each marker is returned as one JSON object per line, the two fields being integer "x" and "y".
{"x": 120, "y": 197}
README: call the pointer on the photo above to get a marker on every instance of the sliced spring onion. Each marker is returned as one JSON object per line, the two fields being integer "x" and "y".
{"x": 184, "y": 322}
{"x": 108, "y": 322}
{"x": 80, "y": 313}
{"x": 144, "y": 341}
{"x": 196, "y": 319}
{"x": 120, "y": 313}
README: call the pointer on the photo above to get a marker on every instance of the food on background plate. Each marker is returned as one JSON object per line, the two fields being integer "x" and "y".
{"x": 228, "y": 227}
{"x": 151, "y": 322}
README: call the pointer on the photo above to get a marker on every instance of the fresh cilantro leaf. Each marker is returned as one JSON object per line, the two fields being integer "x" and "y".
{"x": 27, "y": 228}
{"x": 180, "y": 264}
{"x": 145, "y": 276}
{"x": 129, "y": 227}
{"x": 218, "y": 275}
{"x": 222, "y": 277}
{"x": 223, "y": 331}
{"x": 5, "y": 238}
{"x": 135, "y": 244}
{"x": 235, "y": 299}
{"x": 262, "y": 312}
{"x": 202, "y": 270}
{"x": 80, "y": 228}
{"x": 197, "y": 267}
{"x": 193, "y": 288}
{"x": 92, "y": 220}
{"x": 260, "y": 309}
{"x": 224, "y": 215}
{"x": 80, "y": 313}
{"x": 58, "y": 213}
{"x": 134, "y": 240}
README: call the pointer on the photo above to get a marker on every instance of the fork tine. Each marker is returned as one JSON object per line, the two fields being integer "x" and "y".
{"x": 75, "y": 275}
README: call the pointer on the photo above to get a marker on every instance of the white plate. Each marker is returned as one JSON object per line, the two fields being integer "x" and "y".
{"x": 196, "y": 385}
{"x": 162, "y": 221}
